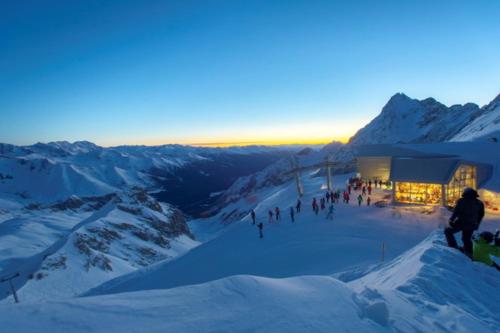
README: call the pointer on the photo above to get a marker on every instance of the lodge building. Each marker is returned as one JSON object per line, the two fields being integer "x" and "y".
{"x": 421, "y": 178}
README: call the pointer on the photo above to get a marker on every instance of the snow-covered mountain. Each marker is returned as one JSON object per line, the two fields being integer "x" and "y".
{"x": 88, "y": 241}
{"x": 484, "y": 127}
{"x": 407, "y": 120}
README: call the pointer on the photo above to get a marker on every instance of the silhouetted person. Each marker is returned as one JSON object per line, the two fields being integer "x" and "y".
{"x": 322, "y": 202}
{"x": 327, "y": 195}
{"x": 292, "y": 214}
{"x": 253, "y": 216}
{"x": 360, "y": 199}
{"x": 277, "y": 213}
{"x": 270, "y": 213}
{"x": 466, "y": 217}
{"x": 314, "y": 204}
{"x": 368, "y": 201}
{"x": 299, "y": 204}
{"x": 261, "y": 226}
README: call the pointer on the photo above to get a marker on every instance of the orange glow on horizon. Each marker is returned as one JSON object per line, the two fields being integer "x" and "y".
{"x": 242, "y": 142}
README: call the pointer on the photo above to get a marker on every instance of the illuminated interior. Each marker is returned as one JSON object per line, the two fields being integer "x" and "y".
{"x": 419, "y": 193}
{"x": 465, "y": 176}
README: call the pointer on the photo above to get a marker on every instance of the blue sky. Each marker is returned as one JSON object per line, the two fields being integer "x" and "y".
{"x": 150, "y": 72}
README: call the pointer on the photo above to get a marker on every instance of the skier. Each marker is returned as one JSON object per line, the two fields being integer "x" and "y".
{"x": 360, "y": 199}
{"x": 369, "y": 188}
{"x": 327, "y": 195}
{"x": 329, "y": 216}
{"x": 486, "y": 246}
{"x": 466, "y": 217}
{"x": 297, "y": 207}
{"x": 270, "y": 216}
{"x": 322, "y": 201}
{"x": 292, "y": 214}
{"x": 277, "y": 213}
{"x": 261, "y": 226}
{"x": 252, "y": 213}
{"x": 368, "y": 201}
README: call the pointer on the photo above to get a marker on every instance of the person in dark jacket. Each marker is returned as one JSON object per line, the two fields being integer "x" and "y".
{"x": 253, "y": 216}
{"x": 261, "y": 226}
{"x": 292, "y": 214}
{"x": 297, "y": 206}
{"x": 466, "y": 217}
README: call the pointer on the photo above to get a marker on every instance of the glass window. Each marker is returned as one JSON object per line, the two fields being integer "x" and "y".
{"x": 464, "y": 176}
{"x": 420, "y": 193}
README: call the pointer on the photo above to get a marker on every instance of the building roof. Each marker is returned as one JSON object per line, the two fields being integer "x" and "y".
{"x": 423, "y": 170}
{"x": 388, "y": 150}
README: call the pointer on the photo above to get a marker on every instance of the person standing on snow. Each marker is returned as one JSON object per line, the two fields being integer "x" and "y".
{"x": 329, "y": 216}
{"x": 466, "y": 217}
{"x": 252, "y": 213}
{"x": 297, "y": 207}
{"x": 277, "y": 213}
{"x": 360, "y": 199}
{"x": 314, "y": 204}
{"x": 322, "y": 201}
{"x": 261, "y": 226}
{"x": 327, "y": 196}
{"x": 368, "y": 201}
{"x": 369, "y": 188}
{"x": 363, "y": 190}
{"x": 349, "y": 189}
{"x": 292, "y": 214}
{"x": 270, "y": 216}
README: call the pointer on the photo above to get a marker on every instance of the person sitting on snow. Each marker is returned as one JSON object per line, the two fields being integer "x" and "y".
{"x": 484, "y": 248}
{"x": 466, "y": 217}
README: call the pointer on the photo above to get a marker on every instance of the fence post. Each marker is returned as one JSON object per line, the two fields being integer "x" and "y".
{"x": 383, "y": 251}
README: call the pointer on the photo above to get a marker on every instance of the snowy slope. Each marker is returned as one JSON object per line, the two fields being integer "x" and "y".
{"x": 406, "y": 120}
{"x": 312, "y": 245}
{"x": 430, "y": 288}
{"x": 484, "y": 127}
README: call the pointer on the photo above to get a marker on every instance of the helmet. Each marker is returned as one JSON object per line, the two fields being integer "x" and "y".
{"x": 469, "y": 192}
{"x": 487, "y": 236}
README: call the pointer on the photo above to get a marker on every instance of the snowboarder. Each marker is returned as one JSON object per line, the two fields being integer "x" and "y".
{"x": 486, "y": 246}
{"x": 360, "y": 199}
{"x": 466, "y": 217}
{"x": 261, "y": 226}
{"x": 252, "y": 213}
{"x": 368, "y": 201}
{"x": 270, "y": 216}
{"x": 277, "y": 213}
{"x": 297, "y": 207}
{"x": 292, "y": 214}
{"x": 329, "y": 216}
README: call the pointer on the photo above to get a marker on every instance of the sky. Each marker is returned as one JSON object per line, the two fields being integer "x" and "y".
{"x": 233, "y": 72}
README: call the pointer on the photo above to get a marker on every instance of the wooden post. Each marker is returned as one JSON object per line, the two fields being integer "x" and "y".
{"x": 328, "y": 174}
{"x": 383, "y": 251}
{"x": 12, "y": 288}
{"x": 296, "y": 170}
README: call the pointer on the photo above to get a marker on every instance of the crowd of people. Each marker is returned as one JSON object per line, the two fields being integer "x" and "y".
{"x": 329, "y": 199}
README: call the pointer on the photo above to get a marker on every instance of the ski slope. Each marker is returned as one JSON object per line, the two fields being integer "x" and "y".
{"x": 430, "y": 288}
{"x": 313, "y": 245}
